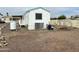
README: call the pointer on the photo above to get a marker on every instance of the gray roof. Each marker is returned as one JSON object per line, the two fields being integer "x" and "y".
{"x": 35, "y": 9}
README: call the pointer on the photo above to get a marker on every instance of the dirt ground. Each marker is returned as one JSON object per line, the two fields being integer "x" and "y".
{"x": 42, "y": 40}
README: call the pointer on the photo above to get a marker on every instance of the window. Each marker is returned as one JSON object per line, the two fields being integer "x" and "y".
{"x": 38, "y": 16}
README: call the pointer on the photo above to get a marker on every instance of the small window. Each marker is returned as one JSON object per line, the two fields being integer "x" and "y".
{"x": 38, "y": 16}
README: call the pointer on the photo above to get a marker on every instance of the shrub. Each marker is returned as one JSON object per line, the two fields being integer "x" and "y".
{"x": 62, "y": 17}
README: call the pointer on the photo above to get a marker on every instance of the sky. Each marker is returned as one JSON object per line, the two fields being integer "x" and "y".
{"x": 55, "y": 11}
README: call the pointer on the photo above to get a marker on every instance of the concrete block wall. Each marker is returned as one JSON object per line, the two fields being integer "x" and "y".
{"x": 67, "y": 22}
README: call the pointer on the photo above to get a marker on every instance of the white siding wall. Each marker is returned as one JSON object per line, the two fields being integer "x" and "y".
{"x": 24, "y": 20}
{"x": 32, "y": 20}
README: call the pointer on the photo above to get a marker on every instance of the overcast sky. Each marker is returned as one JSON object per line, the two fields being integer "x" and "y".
{"x": 55, "y": 11}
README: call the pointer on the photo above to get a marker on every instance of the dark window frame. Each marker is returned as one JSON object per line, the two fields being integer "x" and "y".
{"x": 38, "y": 16}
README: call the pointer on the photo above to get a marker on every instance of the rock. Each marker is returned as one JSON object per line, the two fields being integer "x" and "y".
{"x": 1, "y": 45}
{"x": 3, "y": 41}
{"x": 5, "y": 44}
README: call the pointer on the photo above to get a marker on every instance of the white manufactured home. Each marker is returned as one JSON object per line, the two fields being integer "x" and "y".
{"x": 37, "y": 18}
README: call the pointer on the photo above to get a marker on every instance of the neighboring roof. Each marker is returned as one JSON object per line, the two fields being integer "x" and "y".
{"x": 1, "y": 14}
{"x": 36, "y": 8}
{"x": 7, "y": 16}
{"x": 17, "y": 16}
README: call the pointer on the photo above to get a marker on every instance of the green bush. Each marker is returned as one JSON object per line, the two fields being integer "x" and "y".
{"x": 62, "y": 17}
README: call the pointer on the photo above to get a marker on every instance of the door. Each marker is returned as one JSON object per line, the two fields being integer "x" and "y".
{"x": 39, "y": 25}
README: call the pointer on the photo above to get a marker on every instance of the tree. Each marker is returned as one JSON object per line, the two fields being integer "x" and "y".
{"x": 1, "y": 14}
{"x": 62, "y": 17}
{"x": 7, "y": 14}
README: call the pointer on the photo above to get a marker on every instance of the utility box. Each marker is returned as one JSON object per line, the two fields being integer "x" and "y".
{"x": 12, "y": 25}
